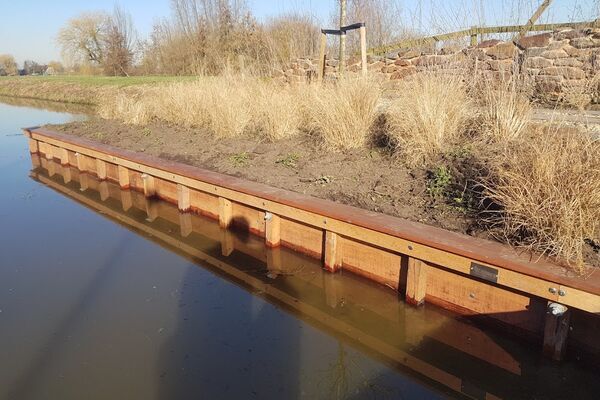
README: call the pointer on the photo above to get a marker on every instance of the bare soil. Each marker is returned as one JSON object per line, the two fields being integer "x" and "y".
{"x": 372, "y": 179}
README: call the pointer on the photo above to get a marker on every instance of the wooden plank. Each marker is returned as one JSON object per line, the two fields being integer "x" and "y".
{"x": 80, "y": 161}
{"x": 67, "y": 174}
{"x": 556, "y": 331}
{"x": 416, "y": 282}
{"x": 537, "y": 14}
{"x": 123, "y": 177}
{"x": 103, "y": 190}
{"x": 152, "y": 209}
{"x": 225, "y": 215}
{"x": 183, "y": 198}
{"x": 34, "y": 148}
{"x": 49, "y": 152}
{"x": 149, "y": 185}
{"x": 227, "y": 242}
{"x": 126, "y": 200}
{"x": 63, "y": 156}
{"x": 333, "y": 252}
{"x": 101, "y": 169}
{"x": 83, "y": 182}
{"x": 371, "y": 262}
{"x": 272, "y": 230}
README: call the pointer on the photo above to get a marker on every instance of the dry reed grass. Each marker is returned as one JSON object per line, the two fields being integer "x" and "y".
{"x": 506, "y": 109}
{"x": 431, "y": 112}
{"x": 548, "y": 186}
{"x": 343, "y": 113}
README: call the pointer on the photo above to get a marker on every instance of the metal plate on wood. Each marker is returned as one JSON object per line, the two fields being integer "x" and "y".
{"x": 484, "y": 272}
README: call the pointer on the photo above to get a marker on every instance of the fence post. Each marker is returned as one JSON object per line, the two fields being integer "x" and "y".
{"x": 321, "y": 71}
{"x": 473, "y": 36}
{"x": 363, "y": 49}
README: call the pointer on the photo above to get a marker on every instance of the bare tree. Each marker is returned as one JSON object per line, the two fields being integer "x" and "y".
{"x": 119, "y": 43}
{"x": 83, "y": 38}
{"x": 8, "y": 65}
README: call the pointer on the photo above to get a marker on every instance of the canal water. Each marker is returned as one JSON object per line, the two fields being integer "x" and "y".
{"x": 107, "y": 295}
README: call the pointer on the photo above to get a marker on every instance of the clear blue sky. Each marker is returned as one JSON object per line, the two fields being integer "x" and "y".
{"x": 28, "y": 27}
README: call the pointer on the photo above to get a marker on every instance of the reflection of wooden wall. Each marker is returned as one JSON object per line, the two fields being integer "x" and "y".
{"x": 423, "y": 272}
{"x": 387, "y": 330}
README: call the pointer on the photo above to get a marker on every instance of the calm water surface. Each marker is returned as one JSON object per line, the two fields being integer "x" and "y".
{"x": 105, "y": 295}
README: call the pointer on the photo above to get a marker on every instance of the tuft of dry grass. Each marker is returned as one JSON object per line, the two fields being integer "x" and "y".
{"x": 547, "y": 184}
{"x": 506, "y": 110}
{"x": 431, "y": 112}
{"x": 343, "y": 113}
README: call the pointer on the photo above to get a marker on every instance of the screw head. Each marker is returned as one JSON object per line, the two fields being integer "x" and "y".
{"x": 552, "y": 290}
{"x": 562, "y": 293}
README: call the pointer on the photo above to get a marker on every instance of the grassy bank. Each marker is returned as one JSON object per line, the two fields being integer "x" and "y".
{"x": 77, "y": 89}
{"x": 458, "y": 152}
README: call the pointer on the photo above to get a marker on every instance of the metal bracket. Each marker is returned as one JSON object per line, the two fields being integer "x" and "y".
{"x": 484, "y": 272}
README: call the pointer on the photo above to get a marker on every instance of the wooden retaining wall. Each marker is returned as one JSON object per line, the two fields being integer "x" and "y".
{"x": 427, "y": 264}
{"x": 371, "y": 319}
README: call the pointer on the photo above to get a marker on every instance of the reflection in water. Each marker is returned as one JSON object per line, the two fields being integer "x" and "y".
{"x": 224, "y": 343}
{"x": 46, "y": 105}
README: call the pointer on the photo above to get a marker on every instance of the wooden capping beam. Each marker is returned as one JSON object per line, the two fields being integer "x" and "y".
{"x": 101, "y": 169}
{"x": 183, "y": 198}
{"x": 123, "y": 177}
{"x": 416, "y": 282}
{"x": 34, "y": 147}
{"x": 520, "y": 271}
{"x": 332, "y": 252}
{"x": 225, "y": 212}
{"x": 556, "y": 331}
{"x": 272, "y": 230}
{"x": 149, "y": 185}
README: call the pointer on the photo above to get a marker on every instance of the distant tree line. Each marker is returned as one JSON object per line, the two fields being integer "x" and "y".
{"x": 208, "y": 37}
{"x": 9, "y": 67}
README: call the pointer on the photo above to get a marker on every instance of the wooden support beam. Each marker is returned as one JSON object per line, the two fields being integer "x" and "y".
{"x": 126, "y": 200}
{"x": 185, "y": 224}
{"x": 63, "y": 156}
{"x": 51, "y": 168}
{"x": 123, "y": 177}
{"x": 151, "y": 210}
{"x": 274, "y": 264}
{"x": 537, "y": 14}
{"x": 183, "y": 197}
{"x": 556, "y": 331}
{"x": 272, "y": 230}
{"x": 80, "y": 161}
{"x": 49, "y": 152}
{"x": 149, "y": 185}
{"x": 101, "y": 169}
{"x": 363, "y": 49}
{"x": 416, "y": 282}
{"x": 227, "y": 243}
{"x": 83, "y": 182}
{"x": 103, "y": 190}
{"x": 67, "y": 175}
{"x": 34, "y": 147}
{"x": 321, "y": 71}
{"x": 225, "y": 212}
{"x": 342, "y": 61}
{"x": 333, "y": 252}
{"x": 36, "y": 161}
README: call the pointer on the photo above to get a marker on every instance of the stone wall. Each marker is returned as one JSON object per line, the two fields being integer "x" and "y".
{"x": 556, "y": 62}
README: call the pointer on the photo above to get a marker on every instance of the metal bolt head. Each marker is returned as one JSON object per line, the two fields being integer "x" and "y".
{"x": 552, "y": 290}
{"x": 561, "y": 292}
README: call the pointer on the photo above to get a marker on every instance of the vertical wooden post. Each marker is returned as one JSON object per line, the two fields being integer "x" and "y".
{"x": 34, "y": 147}
{"x": 556, "y": 330}
{"x": 363, "y": 49}
{"x": 227, "y": 244}
{"x": 66, "y": 173}
{"x": 272, "y": 230}
{"x": 416, "y": 282}
{"x": 333, "y": 252}
{"x": 225, "y": 212}
{"x": 101, "y": 169}
{"x": 63, "y": 155}
{"x": 149, "y": 186}
{"x": 185, "y": 224}
{"x": 123, "y": 177}
{"x": 321, "y": 71}
{"x": 49, "y": 152}
{"x": 103, "y": 190}
{"x": 35, "y": 160}
{"x": 183, "y": 198}
{"x": 83, "y": 182}
{"x": 274, "y": 264}
{"x": 341, "y": 64}
{"x": 80, "y": 162}
{"x": 126, "y": 200}
{"x": 51, "y": 168}
{"x": 473, "y": 36}
{"x": 151, "y": 210}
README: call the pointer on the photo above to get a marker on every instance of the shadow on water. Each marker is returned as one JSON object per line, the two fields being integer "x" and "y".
{"x": 328, "y": 336}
